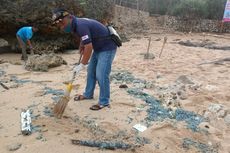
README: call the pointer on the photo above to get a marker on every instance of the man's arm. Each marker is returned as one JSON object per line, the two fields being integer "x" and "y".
{"x": 81, "y": 47}
{"x": 29, "y": 43}
{"x": 87, "y": 51}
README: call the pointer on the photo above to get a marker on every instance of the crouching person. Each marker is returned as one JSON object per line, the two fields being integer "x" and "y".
{"x": 24, "y": 35}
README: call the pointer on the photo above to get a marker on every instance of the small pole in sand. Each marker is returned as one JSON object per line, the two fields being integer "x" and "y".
{"x": 165, "y": 40}
{"x": 147, "y": 54}
{"x": 221, "y": 27}
{"x": 203, "y": 36}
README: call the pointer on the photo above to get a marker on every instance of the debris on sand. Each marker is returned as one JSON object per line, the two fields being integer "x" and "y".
{"x": 218, "y": 62}
{"x": 184, "y": 79}
{"x": 4, "y": 86}
{"x": 48, "y": 111}
{"x": 206, "y": 44}
{"x": 2, "y": 61}
{"x": 124, "y": 78}
{"x": 142, "y": 140}
{"x": 26, "y": 122}
{"x": 227, "y": 119}
{"x": 43, "y": 62}
{"x": 157, "y": 111}
{"x": 149, "y": 56}
{"x": 2, "y": 72}
{"x": 102, "y": 144}
{"x": 193, "y": 120}
{"x": 195, "y": 44}
{"x": 14, "y": 147}
{"x": 187, "y": 143}
{"x": 53, "y": 91}
{"x": 19, "y": 81}
{"x": 57, "y": 93}
{"x": 123, "y": 86}
{"x": 105, "y": 139}
{"x": 140, "y": 127}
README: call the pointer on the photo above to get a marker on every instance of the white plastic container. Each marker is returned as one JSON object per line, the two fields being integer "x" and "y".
{"x": 26, "y": 122}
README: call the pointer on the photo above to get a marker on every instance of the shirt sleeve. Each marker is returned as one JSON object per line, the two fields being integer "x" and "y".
{"x": 85, "y": 35}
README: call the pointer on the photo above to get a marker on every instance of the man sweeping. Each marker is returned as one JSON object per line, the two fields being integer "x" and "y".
{"x": 95, "y": 43}
{"x": 24, "y": 35}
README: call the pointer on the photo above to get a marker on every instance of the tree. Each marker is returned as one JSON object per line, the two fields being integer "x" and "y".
{"x": 211, "y": 9}
{"x": 190, "y": 9}
{"x": 215, "y": 9}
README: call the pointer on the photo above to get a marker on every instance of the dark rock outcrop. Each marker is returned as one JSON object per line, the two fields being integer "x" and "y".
{"x": 15, "y": 14}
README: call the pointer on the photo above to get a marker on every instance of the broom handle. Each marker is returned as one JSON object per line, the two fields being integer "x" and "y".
{"x": 79, "y": 61}
{"x": 74, "y": 73}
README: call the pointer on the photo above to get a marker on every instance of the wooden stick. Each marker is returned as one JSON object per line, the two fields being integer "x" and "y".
{"x": 4, "y": 86}
{"x": 221, "y": 27}
{"x": 147, "y": 54}
{"x": 165, "y": 40}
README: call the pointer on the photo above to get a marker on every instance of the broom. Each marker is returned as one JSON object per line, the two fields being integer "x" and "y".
{"x": 59, "y": 108}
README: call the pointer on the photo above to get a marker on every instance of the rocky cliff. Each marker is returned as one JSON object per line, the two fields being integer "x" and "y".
{"x": 17, "y": 13}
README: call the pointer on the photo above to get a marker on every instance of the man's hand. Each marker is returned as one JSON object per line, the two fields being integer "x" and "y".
{"x": 31, "y": 50}
{"x": 78, "y": 68}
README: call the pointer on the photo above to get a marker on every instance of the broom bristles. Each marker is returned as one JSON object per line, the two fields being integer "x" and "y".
{"x": 59, "y": 108}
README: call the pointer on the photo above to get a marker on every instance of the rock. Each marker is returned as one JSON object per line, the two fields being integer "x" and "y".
{"x": 149, "y": 85}
{"x": 209, "y": 128}
{"x": 149, "y": 56}
{"x": 76, "y": 130}
{"x": 15, "y": 14}
{"x": 43, "y": 62}
{"x": 205, "y": 125}
{"x": 14, "y": 146}
{"x": 227, "y": 119}
{"x": 209, "y": 115}
{"x": 39, "y": 93}
{"x": 3, "y": 42}
{"x": 184, "y": 79}
{"x": 214, "y": 108}
{"x": 221, "y": 113}
{"x": 123, "y": 86}
{"x": 211, "y": 88}
{"x": 158, "y": 39}
{"x": 183, "y": 96}
{"x": 139, "y": 85}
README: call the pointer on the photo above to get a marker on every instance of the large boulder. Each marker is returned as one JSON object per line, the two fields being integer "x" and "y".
{"x": 43, "y": 62}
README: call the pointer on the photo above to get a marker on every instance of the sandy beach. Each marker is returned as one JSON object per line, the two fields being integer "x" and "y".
{"x": 192, "y": 80}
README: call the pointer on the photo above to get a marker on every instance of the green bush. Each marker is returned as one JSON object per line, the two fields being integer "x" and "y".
{"x": 210, "y": 9}
{"x": 190, "y": 9}
{"x": 215, "y": 9}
